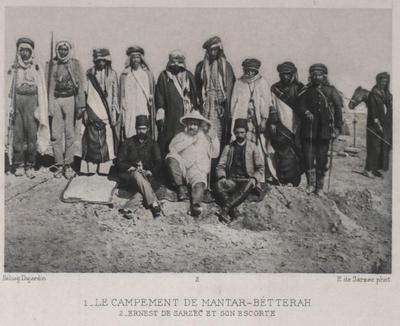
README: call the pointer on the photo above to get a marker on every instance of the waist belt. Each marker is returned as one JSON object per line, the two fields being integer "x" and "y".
{"x": 66, "y": 93}
{"x": 25, "y": 89}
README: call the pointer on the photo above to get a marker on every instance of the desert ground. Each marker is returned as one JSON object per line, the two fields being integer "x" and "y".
{"x": 346, "y": 230}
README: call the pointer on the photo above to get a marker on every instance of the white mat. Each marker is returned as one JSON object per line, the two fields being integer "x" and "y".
{"x": 92, "y": 189}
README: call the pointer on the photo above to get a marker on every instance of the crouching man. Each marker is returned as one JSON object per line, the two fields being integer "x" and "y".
{"x": 139, "y": 160}
{"x": 240, "y": 170}
{"x": 189, "y": 159}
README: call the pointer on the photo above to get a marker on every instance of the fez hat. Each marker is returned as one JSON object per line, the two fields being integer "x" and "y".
{"x": 286, "y": 67}
{"x": 99, "y": 54}
{"x": 251, "y": 63}
{"x": 240, "y": 123}
{"x": 212, "y": 42}
{"x": 318, "y": 67}
{"x": 142, "y": 121}
{"x": 134, "y": 49}
{"x": 195, "y": 115}
{"x": 25, "y": 40}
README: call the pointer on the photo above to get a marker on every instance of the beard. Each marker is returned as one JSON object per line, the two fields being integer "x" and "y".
{"x": 174, "y": 69}
{"x": 192, "y": 132}
{"x": 240, "y": 139}
{"x": 135, "y": 65}
{"x": 142, "y": 136}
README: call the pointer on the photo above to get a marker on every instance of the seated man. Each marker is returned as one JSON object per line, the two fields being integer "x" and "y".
{"x": 189, "y": 159}
{"x": 239, "y": 171}
{"x": 139, "y": 160}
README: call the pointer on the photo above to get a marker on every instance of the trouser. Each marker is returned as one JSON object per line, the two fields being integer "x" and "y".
{"x": 64, "y": 128}
{"x": 232, "y": 192}
{"x": 175, "y": 172}
{"x": 25, "y": 130}
{"x": 315, "y": 153}
{"x": 142, "y": 185}
{"x": 179, "y": 175}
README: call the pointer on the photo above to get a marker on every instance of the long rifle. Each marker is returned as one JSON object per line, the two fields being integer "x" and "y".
{"x": 330, "y": 162}
{"x": 12, "y": 113}
{"x": 49, "y": 73}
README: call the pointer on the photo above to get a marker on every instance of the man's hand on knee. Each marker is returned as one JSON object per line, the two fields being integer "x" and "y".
{"x": 225, "y": 183}
{"x": 253, "y": 182}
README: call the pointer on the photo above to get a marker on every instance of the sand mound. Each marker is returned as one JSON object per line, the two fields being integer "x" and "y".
{"x": 291, "y": 210}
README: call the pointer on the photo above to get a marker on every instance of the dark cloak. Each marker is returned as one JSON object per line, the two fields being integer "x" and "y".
{"x": 168, "y": 98}
{"x": 377, "y": 150}
{"x": 94, "y": 142}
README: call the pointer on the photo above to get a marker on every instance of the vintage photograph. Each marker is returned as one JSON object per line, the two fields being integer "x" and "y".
{"x": 197, "y": 140}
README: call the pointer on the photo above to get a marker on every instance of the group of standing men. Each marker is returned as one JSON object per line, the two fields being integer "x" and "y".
{"x": 204, "y": 128}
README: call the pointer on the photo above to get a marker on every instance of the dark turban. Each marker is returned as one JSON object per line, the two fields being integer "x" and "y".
{"x": 99, "y": 54}
{"x": 241, "y": 123}
{"x": 382, "y": 75}
{"x": 25, "y": 40}
{"x": 286, "y": 67}
{"x": 318, "y": 67}
{"x": 134, "y": 49}
{"x": 252, "y": 63}
{"x": 213, "y": 41}
{"x": 142, "y": 121}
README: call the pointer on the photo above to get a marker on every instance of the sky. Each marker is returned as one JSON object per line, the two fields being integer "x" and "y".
{"x": 355, "y": 44}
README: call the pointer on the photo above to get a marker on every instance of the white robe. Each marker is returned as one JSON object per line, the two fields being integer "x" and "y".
{"x": 41, "y": 111}
{"x": 286, "y": 115}
{"x": 137, "y": 93}
{"x": 262, "y": 100}
{"x": 194, "y": 154}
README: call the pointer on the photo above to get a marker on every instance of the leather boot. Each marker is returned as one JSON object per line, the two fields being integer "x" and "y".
{"x": 310, "y": 174}
{"x": 234, "y": 214}
{"x": 319, "y": 187}
{"x": 197, "y": 198}
{"x": 220, "y": 196}
{"x": 227, "y": 213}
{"x": 182, "y": 193}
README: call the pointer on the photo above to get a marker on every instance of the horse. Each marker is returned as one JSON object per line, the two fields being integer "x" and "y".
{"x": 360, "y": 95}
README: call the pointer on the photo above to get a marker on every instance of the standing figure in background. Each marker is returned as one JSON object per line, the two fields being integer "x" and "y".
{"x": 137, "y": 92}
{"x": 99, "y": 140}
{"x": 379, "y": 124}
{"x": 214, "y": 81}
{"x": 28, "y": 112}
{"x": 66, "y": 106}
{"x": 251, "y": 100}
{"x": 175, "y": 97}
{"x": 284, "y": 125}
{"x": 320, "y": 109}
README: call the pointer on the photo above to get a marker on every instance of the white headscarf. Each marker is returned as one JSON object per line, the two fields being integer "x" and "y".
{"x": 68, "y": 56}
{"x": 24, "y": 63}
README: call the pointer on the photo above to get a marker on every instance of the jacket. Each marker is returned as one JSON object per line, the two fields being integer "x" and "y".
{"x": 325, "y": 103}
{"x": 132, "y": 151}
{"x": 76, "y": 71}
{"x": 254, "y": 162}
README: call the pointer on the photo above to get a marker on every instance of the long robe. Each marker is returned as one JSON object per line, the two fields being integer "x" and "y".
{"x": 204, "y": 74}
{"x": 379, "y": 105}
{"x": 41, "y": 110}
{"x": 137, "y": 98}
{"x": 99, "y": 141}
{"x": 285, "y": 141}
{"x": 257, "y": 90}
{"x": 169, "y": 97}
